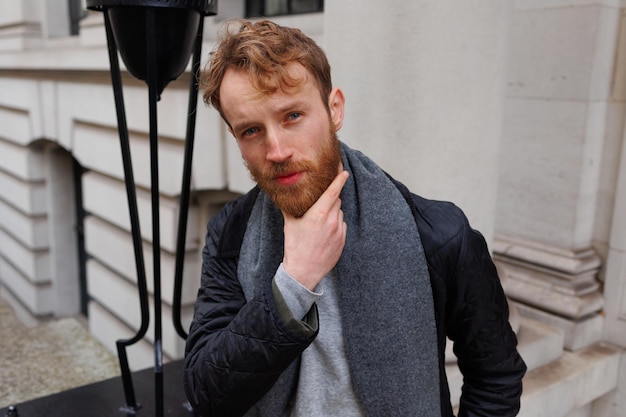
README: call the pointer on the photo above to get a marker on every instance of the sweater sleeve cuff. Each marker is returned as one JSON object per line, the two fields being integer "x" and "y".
{"x": 297, "y": 298}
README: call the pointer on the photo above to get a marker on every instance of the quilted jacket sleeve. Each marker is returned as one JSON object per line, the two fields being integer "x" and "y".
{"x": 236, "y": 349}
{"x": 474, "y": 308}
{"x": 484, "y": 342}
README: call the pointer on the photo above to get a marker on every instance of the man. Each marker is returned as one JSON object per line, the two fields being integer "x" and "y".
{"x": 329, "y": 289}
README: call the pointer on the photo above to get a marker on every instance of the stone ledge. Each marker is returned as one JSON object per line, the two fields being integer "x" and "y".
{"x": 538, "y": 343}
{"x": 578, "y": 334}
{"x": 575, "y": 379}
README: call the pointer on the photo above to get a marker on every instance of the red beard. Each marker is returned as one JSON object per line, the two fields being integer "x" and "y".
{"x": 297, "y": 199}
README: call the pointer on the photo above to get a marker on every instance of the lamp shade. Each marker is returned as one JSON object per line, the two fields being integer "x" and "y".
{"x": 176, "y": 22}
{"x": 205, "y": 7}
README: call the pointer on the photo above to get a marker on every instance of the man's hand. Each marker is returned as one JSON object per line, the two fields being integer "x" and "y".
{"x": 314, "y": 242}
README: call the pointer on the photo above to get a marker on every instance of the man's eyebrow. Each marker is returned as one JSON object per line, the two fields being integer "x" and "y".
{"x": 299, "y": 103}
{"x": 235, "y": 127}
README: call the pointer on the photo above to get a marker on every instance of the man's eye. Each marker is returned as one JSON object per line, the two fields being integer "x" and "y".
{"x": 294, "y": 116}
{"x": 249, "y": 132}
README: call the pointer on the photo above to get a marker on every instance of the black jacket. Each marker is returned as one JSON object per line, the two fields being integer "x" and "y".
{"x": 236, "y": 350}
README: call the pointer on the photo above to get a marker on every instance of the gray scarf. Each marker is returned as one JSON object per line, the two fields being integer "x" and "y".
{"x": 384, "y": 291}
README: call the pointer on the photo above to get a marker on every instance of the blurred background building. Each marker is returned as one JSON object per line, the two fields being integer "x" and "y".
{"x": 512, "y": 109}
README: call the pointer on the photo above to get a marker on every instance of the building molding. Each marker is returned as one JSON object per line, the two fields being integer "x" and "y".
{"x": 554, "y": 285}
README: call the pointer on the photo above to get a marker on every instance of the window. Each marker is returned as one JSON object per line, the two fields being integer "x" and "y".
{"x": 258, "y": 8}
{"x": 76, "y": 9}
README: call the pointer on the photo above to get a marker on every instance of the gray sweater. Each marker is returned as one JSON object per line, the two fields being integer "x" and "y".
{"x": 324, "y": 385}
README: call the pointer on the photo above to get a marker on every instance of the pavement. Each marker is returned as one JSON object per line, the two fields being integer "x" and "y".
{"x": 39, "y": 358}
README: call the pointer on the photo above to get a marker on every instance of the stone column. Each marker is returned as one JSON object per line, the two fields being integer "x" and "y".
{"x": 562, "y": 128}
{"x": 424, "y": 86}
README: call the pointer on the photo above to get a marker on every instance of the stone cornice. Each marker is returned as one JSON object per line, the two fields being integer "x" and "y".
{"x": 83, "y": 76}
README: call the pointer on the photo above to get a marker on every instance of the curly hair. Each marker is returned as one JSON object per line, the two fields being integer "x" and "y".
{"x": 264, "y": 49}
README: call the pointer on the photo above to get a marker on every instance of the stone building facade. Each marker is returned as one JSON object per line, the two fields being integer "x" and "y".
{"x": 514, "y": 110}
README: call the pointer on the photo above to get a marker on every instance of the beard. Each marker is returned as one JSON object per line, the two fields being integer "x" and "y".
{"x": 298, "y": 198}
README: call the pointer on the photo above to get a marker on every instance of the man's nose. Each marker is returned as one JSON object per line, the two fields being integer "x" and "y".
{"x": 278, "y": 149}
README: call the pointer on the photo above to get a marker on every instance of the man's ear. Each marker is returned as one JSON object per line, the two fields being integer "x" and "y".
{"x": 336, "y": 102}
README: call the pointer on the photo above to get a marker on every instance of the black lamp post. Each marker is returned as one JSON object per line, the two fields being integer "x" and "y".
{"x": 155, "y": 39}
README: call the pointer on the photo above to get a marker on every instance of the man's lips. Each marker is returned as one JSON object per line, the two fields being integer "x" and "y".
{"x": 289, "y": 179}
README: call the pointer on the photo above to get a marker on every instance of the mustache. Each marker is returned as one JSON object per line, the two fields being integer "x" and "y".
{"x": 283, "y": 168}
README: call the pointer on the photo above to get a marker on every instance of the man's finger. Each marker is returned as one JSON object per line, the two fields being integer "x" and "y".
{"x": 328, "y": 198}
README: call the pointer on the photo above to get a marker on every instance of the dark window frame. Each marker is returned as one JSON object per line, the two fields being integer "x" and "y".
{"x": 257, "y": 8}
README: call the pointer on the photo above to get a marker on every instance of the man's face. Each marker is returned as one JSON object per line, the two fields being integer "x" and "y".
{"x": 288, "y": 141}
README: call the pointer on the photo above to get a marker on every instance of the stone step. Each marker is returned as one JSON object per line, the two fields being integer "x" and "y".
{"x": 565, "y": 386}
{"x": 538, "y": 343}
{"x": 46, "y": 357}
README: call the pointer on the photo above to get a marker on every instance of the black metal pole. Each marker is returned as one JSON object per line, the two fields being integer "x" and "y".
{"x": 186, "y": 183}
{"x": 154, "y": 185}
{"x": 116, "y": 80}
